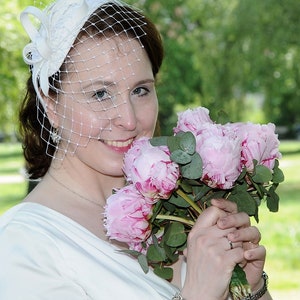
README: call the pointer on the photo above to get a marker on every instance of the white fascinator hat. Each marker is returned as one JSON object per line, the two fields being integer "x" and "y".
{"x": 52, "y": 37}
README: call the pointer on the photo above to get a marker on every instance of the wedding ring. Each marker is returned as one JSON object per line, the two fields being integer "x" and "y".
{"x": 231, "y": 245}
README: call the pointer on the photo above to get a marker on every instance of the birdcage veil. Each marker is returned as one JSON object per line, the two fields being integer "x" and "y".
{"x": 67, "y": 39}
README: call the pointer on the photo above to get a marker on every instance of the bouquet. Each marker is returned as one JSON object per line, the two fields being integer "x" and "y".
{"x": 171, "y": 180}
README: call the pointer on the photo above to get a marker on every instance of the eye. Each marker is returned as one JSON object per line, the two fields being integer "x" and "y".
{"x": 102, "y": 95}
{"x": 140, "y": 91}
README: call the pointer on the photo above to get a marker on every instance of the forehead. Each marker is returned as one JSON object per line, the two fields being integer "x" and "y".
{"x": 113, "y": 58}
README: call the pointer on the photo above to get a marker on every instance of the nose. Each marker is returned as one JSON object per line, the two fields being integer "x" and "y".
{"x": 126, "y": 115}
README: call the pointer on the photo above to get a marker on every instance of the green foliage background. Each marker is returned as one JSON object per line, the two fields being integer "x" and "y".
{"x": 238, "y": 58}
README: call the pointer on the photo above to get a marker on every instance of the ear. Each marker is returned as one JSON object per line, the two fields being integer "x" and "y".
{"x": 50, "y": 107}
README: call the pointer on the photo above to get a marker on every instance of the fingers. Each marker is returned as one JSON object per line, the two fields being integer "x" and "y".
{"x": 226, "y": 205}
{"x": 218, "y": 211}
{"x": 250, "y": 234}
{"x": 232, "y": 245}
{"x": 209, "y": 217}
{"x": 234, "y": 220}
{"x": 257, "y": 254}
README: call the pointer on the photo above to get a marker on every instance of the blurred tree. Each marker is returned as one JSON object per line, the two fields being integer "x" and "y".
{"x": 13, "y": 71}
{"x": 270, "y": 46}
{"x": 217, "y": 54}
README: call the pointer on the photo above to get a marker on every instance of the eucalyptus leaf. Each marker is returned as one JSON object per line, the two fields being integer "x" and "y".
{"x": 245, "y": 203}
{"x": 278, "y": 175}
{"x": 175, "y": 235}
{"x": 186, "y": 187}
{"x": 163, "y": 272}
{"x": 260, "y": 189}
{"x": 178, "y": 201}
{"x": 242, "y": 175}
{"x": 173, "y": 143}
{"x": 180, "y": 157}
{"x": 209, "y": 196}
{"x": 262, "y": 174}
{"x": 131, "y": 252}
{"x": 188, "y": 143}
{"x": 240, "y": 187}
{"x": 155, "y": 253}
{"x": 169, "y": 206}
{"x": 159, "y": 141}
{"x": 201, "y": 191}
{"x": 273, "y": 200}
{"x": 142, "y": 259}
{"x": 193, "y": 170}
{"x": 171, "y": 253}
{"x": 156, "y": 209}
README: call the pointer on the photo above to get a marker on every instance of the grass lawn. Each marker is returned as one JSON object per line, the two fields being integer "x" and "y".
{"x": 12, "y": 188}
{"x": 280, "y": 231}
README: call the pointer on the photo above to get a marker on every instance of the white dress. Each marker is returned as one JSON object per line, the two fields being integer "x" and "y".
{"x": 46, "y": 255}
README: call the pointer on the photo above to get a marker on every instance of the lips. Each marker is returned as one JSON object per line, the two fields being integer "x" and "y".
{"x": 118, "y": 145}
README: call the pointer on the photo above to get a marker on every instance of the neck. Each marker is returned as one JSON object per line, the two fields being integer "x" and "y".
{"x": 73, "y": 190}
{"x": 86, "y": 183}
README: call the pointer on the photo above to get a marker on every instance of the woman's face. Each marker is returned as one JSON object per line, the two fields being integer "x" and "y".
{"x": 108, "y": 100}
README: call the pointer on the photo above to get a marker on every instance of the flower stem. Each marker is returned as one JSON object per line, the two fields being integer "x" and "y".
{"x": 189, "y": 200}
{"x": 174, "y": 218}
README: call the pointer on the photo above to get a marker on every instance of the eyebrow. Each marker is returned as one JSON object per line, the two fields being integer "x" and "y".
{"x": 114, "y": 83}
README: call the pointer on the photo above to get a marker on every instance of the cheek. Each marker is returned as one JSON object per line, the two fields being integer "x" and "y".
{"x": 79, "y": 126}
{"x": 147, "y": 116}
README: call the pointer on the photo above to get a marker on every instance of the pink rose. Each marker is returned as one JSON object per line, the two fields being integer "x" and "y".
{"x": 131, "y": 155}
{"x": 126, "y": 216}
{"x": 221, "y": 156}
{"x": 151, "y": 170}
{"x": 192, "y": 120}
{"x": 259, "y": 142}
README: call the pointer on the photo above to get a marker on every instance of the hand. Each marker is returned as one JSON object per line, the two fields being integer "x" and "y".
{"x": 210, "y": 259}
{"x": 249, "y": 237}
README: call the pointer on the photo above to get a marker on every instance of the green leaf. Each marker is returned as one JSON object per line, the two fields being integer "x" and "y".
{"x": 156, "y": 209}
{"x": 142, "y": 259}
{"x": 273, "y": 200}
{"x": 171, "y": 253}
{"x": 131, "y": 252}
{"x": 262, "y": 174}
{"x": 259, "y": 187}
{"x": 215, "y": 195}
{"x": 188, "y": 143}
{"x": 173, "y": 143}
{"x": 201, "y": 191}
{"x": 193, "y": 170}
{"x": 163, "y": 272}
{"x": 242, "y": 187}
{"x": 169, "y": 206}
{"x": 278, "y": 175}
{"x": 178, "y": 201}
{"x": 242, "y": 175}
{"x": 155, "y": 253}
{"x": 239, "y": 286}
{"x": 159, "y": 141}
{"x": 245, "y": 203}
{"x": 180, "y": 157}
{"x": 175, "y": 235}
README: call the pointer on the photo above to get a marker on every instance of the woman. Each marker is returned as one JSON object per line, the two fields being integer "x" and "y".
{"x": 90, "y": 95}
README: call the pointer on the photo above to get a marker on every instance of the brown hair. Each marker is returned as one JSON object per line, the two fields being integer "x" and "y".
{"x": 101, "y": 22}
